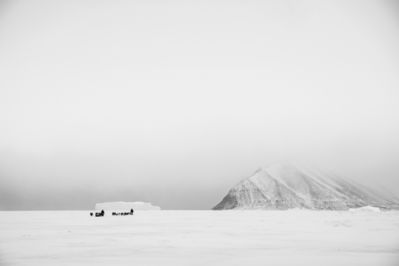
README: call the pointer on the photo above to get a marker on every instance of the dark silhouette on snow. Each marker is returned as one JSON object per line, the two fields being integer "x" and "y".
{"x": 123, "y": 213}
{"x": 100, "y": 214}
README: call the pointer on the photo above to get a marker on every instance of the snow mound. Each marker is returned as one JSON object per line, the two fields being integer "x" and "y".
{"x": 366, "y": 209}
{"x": 125, "y": 206}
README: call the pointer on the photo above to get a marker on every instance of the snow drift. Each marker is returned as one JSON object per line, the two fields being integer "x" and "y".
{"x": 288, "y": 187}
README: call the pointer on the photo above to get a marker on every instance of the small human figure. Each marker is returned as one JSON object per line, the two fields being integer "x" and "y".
{"x": 91, "y": 214}
{"x": 131, "y": 211}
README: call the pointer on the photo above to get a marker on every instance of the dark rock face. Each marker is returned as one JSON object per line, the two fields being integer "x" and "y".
{"x": 286, "y": 187}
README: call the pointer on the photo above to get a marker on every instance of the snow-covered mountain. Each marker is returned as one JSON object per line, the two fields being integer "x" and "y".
{"x": 287, "y": 186}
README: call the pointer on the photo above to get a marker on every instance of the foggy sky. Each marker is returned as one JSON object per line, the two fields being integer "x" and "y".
{"x": 174, "y": 102}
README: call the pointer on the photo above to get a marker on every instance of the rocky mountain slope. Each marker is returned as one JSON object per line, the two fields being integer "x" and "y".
{"x": 287, "y": 186}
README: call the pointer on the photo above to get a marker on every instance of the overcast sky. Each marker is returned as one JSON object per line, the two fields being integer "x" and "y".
{"x": 174, "y": 102}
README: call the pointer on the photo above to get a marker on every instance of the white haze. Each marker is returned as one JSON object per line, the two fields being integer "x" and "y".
{"x": 173, "y": 102}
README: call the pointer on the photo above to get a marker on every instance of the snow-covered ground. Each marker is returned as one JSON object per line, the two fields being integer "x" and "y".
{"x": 294, "y": 237}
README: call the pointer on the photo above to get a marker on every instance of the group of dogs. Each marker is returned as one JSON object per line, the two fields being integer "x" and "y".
{"x": 101, "y": 213}
{"x": 123, "y": 213}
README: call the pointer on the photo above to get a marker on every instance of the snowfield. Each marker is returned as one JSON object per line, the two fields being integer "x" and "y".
{"x": 294, "y": 237}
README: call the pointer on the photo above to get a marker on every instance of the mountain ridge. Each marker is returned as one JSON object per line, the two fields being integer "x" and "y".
{"x": 285, "y": 186}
